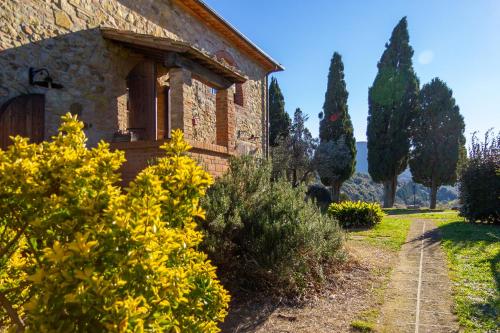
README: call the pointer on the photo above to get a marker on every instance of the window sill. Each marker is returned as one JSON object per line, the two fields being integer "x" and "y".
{"x": 196, "y": 145}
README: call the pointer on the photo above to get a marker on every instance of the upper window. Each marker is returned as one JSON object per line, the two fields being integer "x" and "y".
{"x": 238, "y": 94}
{"x": 228, "y": 58}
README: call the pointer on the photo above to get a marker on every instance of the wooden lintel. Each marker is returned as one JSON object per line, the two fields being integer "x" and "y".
{"x": 173, "y": 59}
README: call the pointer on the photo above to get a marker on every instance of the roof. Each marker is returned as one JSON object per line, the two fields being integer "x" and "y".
{"x": 207, "y": 15}
{"x": 159, "y": 47}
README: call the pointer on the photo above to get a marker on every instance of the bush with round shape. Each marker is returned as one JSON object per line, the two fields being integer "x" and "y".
{"x": 79, "y": 254}
{"x": 354, "y": 214}
{"x": 266, "y": 235}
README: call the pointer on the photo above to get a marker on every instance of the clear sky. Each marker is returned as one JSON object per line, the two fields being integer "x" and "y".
{"x": 455, "y": 40}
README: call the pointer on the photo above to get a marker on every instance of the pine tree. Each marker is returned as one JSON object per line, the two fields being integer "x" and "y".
{"x": 438, "y": 138}
{"x": 279, "y": 120}
{"x": 392, "y": 101}
{"x": 336, "y": 129}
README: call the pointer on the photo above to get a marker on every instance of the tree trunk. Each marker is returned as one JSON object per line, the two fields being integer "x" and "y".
{"x": 390, "y": 192}
{"x": 294, "y": 178}
{"x": 434, "y": 189}
{"x": 336, "y": 191}
{"x": 394, "y": 188}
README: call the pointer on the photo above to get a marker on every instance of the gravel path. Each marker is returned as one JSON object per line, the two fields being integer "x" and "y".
{"x": 418, "y": 298}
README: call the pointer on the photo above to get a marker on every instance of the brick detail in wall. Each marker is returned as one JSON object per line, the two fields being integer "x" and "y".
{"x": 225, "y": 118}
{"x": 213, "y": 158}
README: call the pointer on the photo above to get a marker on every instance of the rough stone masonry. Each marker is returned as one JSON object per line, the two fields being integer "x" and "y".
{"x": 64, "y": 37}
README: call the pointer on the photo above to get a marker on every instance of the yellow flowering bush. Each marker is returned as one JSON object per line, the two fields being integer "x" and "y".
{"x": 79, "y": 254}
{"x": 351, "y": 214}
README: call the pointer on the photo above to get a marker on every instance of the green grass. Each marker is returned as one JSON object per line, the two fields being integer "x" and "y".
{"x": 362, "y": 326}
{"x": 390, "y": 233}
{"x": 473, "y": 252}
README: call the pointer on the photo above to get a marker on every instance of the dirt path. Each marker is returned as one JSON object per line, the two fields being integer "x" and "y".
{"x": 418, "y": 298}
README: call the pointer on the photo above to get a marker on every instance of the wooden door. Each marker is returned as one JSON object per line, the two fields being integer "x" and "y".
{"x": 23, "y": 115}
{"x": 142, "y": 100}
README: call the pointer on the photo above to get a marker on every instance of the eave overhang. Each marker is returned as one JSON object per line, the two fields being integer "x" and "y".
{"x": 173, "y": 52}
{"x": 212, "y": 19}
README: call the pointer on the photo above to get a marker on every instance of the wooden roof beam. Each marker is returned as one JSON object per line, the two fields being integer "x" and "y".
{"x": 205, "y": 75}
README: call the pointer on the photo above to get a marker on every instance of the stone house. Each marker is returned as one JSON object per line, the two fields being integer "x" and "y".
{"x": 133, "y": 71}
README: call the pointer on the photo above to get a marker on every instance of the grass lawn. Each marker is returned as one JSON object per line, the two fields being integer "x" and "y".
{"x": 473, "y": 252}
{"x": 390, "y": 233}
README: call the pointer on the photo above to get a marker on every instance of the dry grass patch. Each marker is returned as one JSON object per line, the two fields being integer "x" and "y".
{"x": 352, "y": 291}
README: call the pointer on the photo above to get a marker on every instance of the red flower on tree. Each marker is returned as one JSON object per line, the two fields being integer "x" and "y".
{"x": 335, "y": 116}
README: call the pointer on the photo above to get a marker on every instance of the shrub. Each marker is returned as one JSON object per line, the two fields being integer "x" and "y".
{"x": 356, "y": 213}
{"x": 265, "y": 234}
{"x": 320, "y": 194}
{"x": 479, "y": 181}
{"x": 80, "y": 255}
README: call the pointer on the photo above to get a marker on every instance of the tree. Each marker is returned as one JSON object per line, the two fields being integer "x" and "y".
{"x": 279, "y": 120}
{"x": 392, "y": 101}
{"x": 293, "y": 155}
{"x": 79, "y": 254}
{"x": 335, "y": 132}
{"x": 437, "y": 138}
{"x": 331, "y": 159}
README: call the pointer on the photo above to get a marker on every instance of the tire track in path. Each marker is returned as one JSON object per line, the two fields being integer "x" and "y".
{"x": 418, "y": 298}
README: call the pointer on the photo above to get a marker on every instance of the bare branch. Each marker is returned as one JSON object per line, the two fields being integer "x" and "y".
{"x": 4, "y": 302}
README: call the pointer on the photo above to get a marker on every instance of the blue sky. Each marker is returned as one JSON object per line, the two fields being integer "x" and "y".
{"x": 455, "y": 40}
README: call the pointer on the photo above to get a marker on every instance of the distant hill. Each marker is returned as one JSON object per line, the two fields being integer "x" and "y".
{"x": 361, "y": 187}
{"x": 362, "y": 157}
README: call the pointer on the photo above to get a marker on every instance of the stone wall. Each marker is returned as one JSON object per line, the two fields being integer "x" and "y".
{"x": 204, "y": 112}
{"x": 63, "y": 36}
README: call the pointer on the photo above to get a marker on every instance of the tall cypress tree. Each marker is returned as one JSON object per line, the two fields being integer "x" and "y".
{"x": 392, "y": 101}
{"x": 335, "y": 129}
{"x": 279, "y": 120}
{"x": 438, "y": 138}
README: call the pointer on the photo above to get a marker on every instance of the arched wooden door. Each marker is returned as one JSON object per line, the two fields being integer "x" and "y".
{"x": 22, "y": 115}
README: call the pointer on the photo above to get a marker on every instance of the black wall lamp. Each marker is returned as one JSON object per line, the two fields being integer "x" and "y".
{"x": 41, "y": 77}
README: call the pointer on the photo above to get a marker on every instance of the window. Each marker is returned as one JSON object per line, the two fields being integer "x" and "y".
{"x": 238, "y": 94}
{"x": 229, "y": 60}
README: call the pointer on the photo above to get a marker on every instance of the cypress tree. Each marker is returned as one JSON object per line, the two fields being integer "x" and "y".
{"x": 392, "y": 101}
{"x": 335, "y": 129}
{"x": 279, "y": 120}
{"x": 438, "y": 138}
